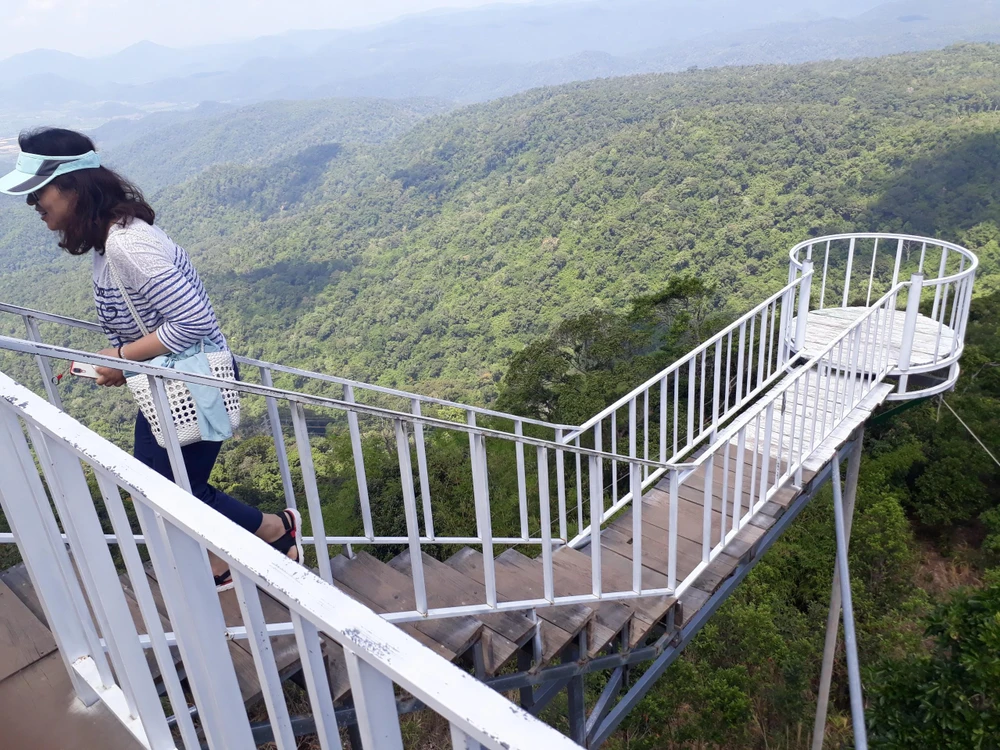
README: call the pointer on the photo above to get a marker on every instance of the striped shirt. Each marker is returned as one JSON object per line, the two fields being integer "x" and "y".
{"x": 162, "y": 284}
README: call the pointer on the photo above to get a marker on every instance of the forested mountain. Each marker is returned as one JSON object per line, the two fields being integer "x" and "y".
{"x": 438, "y": 258}
{"x": 428, "y": 260}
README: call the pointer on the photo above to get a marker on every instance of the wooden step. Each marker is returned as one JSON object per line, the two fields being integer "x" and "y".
{"x": 503, "y": 633}
{"x": 610, "y": 616}
{"x": 557, "y": 626}
{"x": 616, "y": 575}
{"x": 17, "y": 578}
{"x": 23, "y": 638}
{"x": 384, "y": 589}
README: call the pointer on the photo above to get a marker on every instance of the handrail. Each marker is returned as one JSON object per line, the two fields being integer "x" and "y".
{"x": 25, "y": 346}
{"x": 243, "y": 360}
{"x": 181, "y": 529}
{"x": 675, "y": 366}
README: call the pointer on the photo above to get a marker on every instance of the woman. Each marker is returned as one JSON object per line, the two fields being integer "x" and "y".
{"x": 93, "y": 208}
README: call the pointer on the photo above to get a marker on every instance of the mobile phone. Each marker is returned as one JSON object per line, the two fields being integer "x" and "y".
{"x": 83, "y": 370}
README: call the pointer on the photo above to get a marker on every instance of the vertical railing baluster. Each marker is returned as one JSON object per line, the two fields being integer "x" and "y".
{"x": 522, "y": 482}
{"x": 598, "y": 445}
{"x": 805, "y": 292}
{"x": 484, "y": 520}
{"x": 631, "y": 434}
{"x": 847, "y": 275}
{"x": 318, "y": 683}
{"x": 263, "y": 656}
{"x": 663, "y": 419}
{"x": 672, "y": 531}
{"x": 375, "y": 702}
{"x": 826, "y": 266}
{"x": 635, "y": 480}
{"x": 899, "y": 259}
{"x": 741, "y": 460}
{"x": 690, "y": 404}
{"x": 702, "y": 393}
{"x": 871, "y": 275}
{"x": 723, "y": 508}
{"x": 706, "y": 529}
{"x": 766, "y": 457}
{"x": 425, "y": 485}
{"x": 49, "y": 381}
{"x": 739, "y": 366}
{"x": 359, "y": 464}
{"x": 770, "y": 367}
{"x": 677, "y": 403}
{"x": 614, "y": 452}
{"x": 546, "y": 522}
{"x": 274, "y": 418}
{"x": 304, "y": 448}
{"x": 169, "y": 432}
{"x": 579, "y": 488}
{"x": 561, "y": 488}
{"x": 596, "y": 515}
{"x": 410, "y": 511}
{"x": 729, "y": 362}
{"x": 645, "y": 431}
{"x": 716, "y": 390}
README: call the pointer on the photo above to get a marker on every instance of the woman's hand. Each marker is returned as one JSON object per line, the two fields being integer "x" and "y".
{"x": 109, "y": 376}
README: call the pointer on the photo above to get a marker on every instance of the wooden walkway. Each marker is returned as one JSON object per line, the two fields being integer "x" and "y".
{"x": 931, "y": 342}
{"x": 487, "y": 643}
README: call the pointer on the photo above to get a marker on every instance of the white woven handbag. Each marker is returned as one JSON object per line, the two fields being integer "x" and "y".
{"x": 182, "y": 407}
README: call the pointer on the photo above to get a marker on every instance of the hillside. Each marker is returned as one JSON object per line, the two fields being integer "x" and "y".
{"x": 429, "y": 260}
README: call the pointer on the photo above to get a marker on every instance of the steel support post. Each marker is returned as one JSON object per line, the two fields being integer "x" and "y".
{"x": 833, "y": 619}
{"x": 850, "y": 637}
{"x": 576, "y": 709}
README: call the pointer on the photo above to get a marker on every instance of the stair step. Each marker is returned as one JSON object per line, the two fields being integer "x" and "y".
{"x": 23, "y": 638}
{"x": 504, "y": 632}
{"x": 20, "y": 583}
{"x": 616, "y": 574}
{"x": 388, "y": 590}
{"x": 558, "y": 626}
{"x": 610, "y": 616}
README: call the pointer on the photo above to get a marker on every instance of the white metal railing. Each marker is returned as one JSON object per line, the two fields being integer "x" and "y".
{"x": 855, "y": 268}
{"x": 679, "y": 408}
{"x": 44, "y": 502}
{"x": 558, "y": 486}
{"x": 541, "y": 488}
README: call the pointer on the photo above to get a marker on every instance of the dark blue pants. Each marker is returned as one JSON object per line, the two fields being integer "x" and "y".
{"x": 199, "y": 458}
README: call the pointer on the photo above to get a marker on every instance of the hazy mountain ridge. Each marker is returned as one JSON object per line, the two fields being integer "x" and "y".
{"x": 482, "y": 54}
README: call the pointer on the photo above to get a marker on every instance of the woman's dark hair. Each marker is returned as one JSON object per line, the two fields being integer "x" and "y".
{"x": 103, "y": 197}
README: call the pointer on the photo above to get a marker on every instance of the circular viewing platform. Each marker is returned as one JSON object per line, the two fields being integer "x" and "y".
{"x": 922, "y": 287}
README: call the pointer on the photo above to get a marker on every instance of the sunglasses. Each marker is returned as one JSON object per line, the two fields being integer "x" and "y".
{"x": 33, "y": 198}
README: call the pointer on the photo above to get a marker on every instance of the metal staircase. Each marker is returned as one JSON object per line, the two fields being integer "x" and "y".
{"x": 630, "y": 530}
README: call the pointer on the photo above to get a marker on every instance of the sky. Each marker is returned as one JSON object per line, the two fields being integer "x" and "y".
{"x": 99, "y": 27}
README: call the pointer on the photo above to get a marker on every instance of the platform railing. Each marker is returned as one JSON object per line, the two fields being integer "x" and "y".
{"x": 48, "y": 457}
{"x": 853, "y": 269}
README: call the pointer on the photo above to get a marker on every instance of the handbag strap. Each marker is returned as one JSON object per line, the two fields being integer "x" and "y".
{"x": 125, "y": 295}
